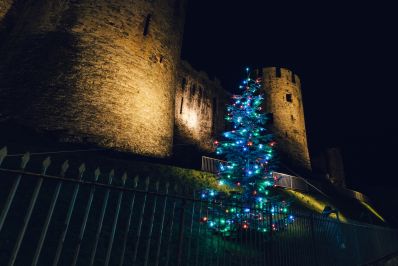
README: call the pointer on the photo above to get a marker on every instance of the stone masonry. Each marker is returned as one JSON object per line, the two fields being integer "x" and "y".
{"x": 109, "y": 73}
{"x": 284, "y": 102}
{"x": 97, "y": 71}
{"x": 199, "y": 109}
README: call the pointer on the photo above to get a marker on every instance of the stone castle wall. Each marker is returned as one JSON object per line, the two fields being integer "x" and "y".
{"x": 284, "y": 101}
{"x": 109, "y": 73}
{"x": 5, "y": 5}
{"x": 199, "y": 109}
{"x": 98, "y": 71}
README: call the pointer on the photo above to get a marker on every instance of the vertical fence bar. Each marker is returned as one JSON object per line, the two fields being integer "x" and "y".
{"x": 205, "y": 254}
{"x": 171, "y": 230}
{"x": 198, "y": 235}
{"x": 240, "y": 228}
{"x": 128, "y": 224}
{"x": 46, "y": 164}
{"x": 3, "y": 154}
{"x": 61, "y": 242}
{"x": 115, "y": 219}
{"x": 97, "y": 172}
{"x": 159, "y": 242}
{"x": 271, "y": 236}
{"x": 101, "y": 220}
{"x": 54, "y": 200}
{"x": 25, "y": 159}
{"x": 181, "y": 233}
{"x": 151, "y": 221}
{"x": 138, "y": 235}
{"x": 191, "y": 228}
{"x": 210, "y": 220}
{"x": 313, "y": 240}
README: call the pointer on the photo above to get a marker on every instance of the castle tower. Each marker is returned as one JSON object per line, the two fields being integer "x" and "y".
{"x": 285, "y": 105}
{"x": 97, "y": 71}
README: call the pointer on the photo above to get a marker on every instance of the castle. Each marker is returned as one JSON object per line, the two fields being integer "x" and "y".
{"x": 110, "y": 73}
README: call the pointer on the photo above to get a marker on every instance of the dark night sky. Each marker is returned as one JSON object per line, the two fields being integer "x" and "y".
{"x": 345, "y": 54}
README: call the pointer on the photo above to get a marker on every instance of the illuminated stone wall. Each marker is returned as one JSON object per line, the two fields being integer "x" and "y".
{"x": 284, "y": 101}
{"x": 94, "y": 71}
{"x": 199, "y": 108}
{"x": 5, "y": 5}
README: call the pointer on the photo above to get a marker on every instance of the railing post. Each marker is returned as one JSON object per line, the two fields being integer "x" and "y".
{"x": 54, "y": 200}
{"x": 191, "y": 227}
{"x": 61, "y": 242}
{"x": 115, "y": 220}
{"x": 313, "y": 239}
{"x": 181, "y": 233}
{"x": 159, "y": 244}
{"x": 3, "y": 154}
{"x": 25, "y": 159}
{"x": 271, "y": 232}
{"x": 32, "y": 203}
{"x": 151, "y": 221}
{"x": 128, "y": 224}
{"x": 101, "y": 220}
{"x": 97, "y": 172}
{"x": 139, "y": 228}
{"x": 170, "y": 235}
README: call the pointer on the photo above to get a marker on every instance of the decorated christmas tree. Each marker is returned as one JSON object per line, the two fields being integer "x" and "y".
{"x": 248, "y": 149}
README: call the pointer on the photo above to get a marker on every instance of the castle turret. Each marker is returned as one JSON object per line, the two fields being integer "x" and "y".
{"x": 97, "y": 71}
{"x": 285, "y": 105}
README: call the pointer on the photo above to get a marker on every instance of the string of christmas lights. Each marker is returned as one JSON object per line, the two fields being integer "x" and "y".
{"x": 249, "y": 151}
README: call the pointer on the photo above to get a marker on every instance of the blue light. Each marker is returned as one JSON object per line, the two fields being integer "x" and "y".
{"x": 246, "y": 210}
{"x": 247, "y": 69}
{"x": 212, "y": 193}
{"x": 203, "y": 195}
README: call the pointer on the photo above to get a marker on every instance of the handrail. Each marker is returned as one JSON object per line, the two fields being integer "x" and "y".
{"x": 209, "y": 165}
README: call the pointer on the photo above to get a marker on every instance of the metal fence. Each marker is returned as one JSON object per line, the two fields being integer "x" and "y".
{"x": 71, "y": 215}
{"x": 212, "y": 165}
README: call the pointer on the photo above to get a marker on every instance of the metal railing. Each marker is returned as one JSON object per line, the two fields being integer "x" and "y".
{"x": 211, "y": 165}
{"x": 70, "y": 215}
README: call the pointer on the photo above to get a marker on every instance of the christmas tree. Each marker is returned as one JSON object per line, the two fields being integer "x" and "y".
{"x": 249, "y": 152}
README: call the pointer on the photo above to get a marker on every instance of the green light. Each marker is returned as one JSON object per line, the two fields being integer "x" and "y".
{"x": 222, "y": 221}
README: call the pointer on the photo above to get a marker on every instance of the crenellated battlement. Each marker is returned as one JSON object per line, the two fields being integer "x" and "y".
{"x": 110, "y": 73}
{"x": 282, "y": 74}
